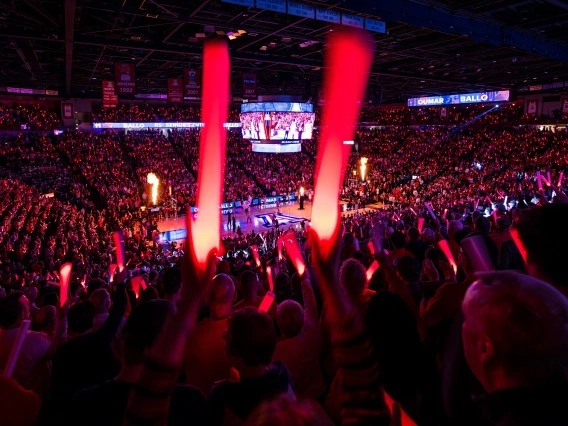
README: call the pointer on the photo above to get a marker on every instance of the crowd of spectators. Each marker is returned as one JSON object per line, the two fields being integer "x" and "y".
{"x": 28, "y": 117}
{"x": 153, "y": 112}
{"x": 397, "y": 307}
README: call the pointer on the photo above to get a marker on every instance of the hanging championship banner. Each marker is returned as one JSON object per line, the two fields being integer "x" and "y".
{"x": 532, "y": 107}
{"x": 191, "y": 83}
{"x": 125, "y": 78}
{"x": 67, "y": 110}
{"x": 110, "y": 99}
{"x": 175, "y": 90}
{"x": 249, "y": 86}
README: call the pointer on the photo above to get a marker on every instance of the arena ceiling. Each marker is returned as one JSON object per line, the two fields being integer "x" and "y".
{"x": 430, "y": 47}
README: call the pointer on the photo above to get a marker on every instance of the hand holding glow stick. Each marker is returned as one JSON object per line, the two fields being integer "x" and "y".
{"x": 347, "y": 63}
{"x": 293, "y": 251}
{"x": 443, "y": 245}
{"x": 111, "y": 270}
{"x": 205, "y": 230}
{"x": 118, "y": 237}
{"x": 137, "y": 284}
{"x": 65, "y": 277}
{"x": 17, "y": 348}
{"x": 255, "y": 255}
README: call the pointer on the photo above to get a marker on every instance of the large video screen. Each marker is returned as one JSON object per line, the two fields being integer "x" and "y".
{"x": 465, "y": 98}
{"x": 277, "y": 126}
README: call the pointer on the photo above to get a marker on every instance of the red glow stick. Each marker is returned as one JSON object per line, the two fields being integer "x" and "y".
{"x": 119, "y": 244}
{"x": 445, "y": 213}
{"x": 137, "y": 283}
{"x": 205, "y": 229}
{"x": 347, "y": 62}
{"x": 548, "y": 179}
{"x": 17, "y": 348}
{"x": 293, "y": 250}
{"x": 519, "y": 243}
{"x": 65, "y": 277}
{"x": 266, "y": 302}
{"x": 371, "y": 247}
{"x": 412, "y": 210}
{"x": 405, "y": 418}
{"x": 443, "y": 245}
{"x": 111, "y": 270}
{"x": 560, "y": 178}
{"x": 420, "y": 224}
{"x": 269, "y": 277}
{"x": 539, "y": 181}
{"x": 371, "y": 271}
{"x": 255, "y": 255}
{"x": 280, "y": 244}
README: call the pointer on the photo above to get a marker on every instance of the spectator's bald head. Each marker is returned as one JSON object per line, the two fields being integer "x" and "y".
{"x": 515, "y": 331}
{"x": 222, "y": 294}
{"x": 100, "y": 300}
{"x": 353, "y": 277}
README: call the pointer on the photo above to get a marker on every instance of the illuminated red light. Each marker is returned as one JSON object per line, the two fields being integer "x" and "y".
{"x": 420, "y": 224}
{"x": 443, "y": 245}
{"x": 266, "y": 302}
{"x": 294, "y": 253}
{"x": 119, "y": 244}
{"x": 519, "y": 243}
{"x": 269, "y": 277}
{"x": 371, "y": 271}
{"x": 255, "y": 255}
{"x": 205, "y": 229}
{"x": 348, "y": 61}
{"x": 64, "y": 278}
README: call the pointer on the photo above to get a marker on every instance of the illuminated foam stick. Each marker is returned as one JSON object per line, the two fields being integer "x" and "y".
{"x": 443, "y": 245}
{"x": 111, "y": 270}
{"x": 371, "y": 271}
{"x": 294, "y": 253}
{"x": 269, "y": 277}
{"x": 64, "y": 278}
{"x": 153, "y": 180}
{"x": 348, "y": 62}
{"x": 548, "y": 179}
{"x": 519, "y": 243}
{"x": 137, "y": 284}
{"x": 476, "y": 251}
{"x": 420, "y": 224}
{"x": 280, "y": 244}
{"x": 405, "y": 419}
{"x": 560, "y": 178}
{"x": 445, "y": 213}
{"x": 17, "y": 348}
{"x": 539, "y": 181}
{"x": 118, "y": 237}
{"x": 429, "y": 208}
{"x": 204, "y": 232}
{"x": 266, "y": 302}
{"x": 255, "y": 255}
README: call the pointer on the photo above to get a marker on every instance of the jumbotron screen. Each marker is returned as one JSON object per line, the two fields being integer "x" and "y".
{"x": 268, "y": 125}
